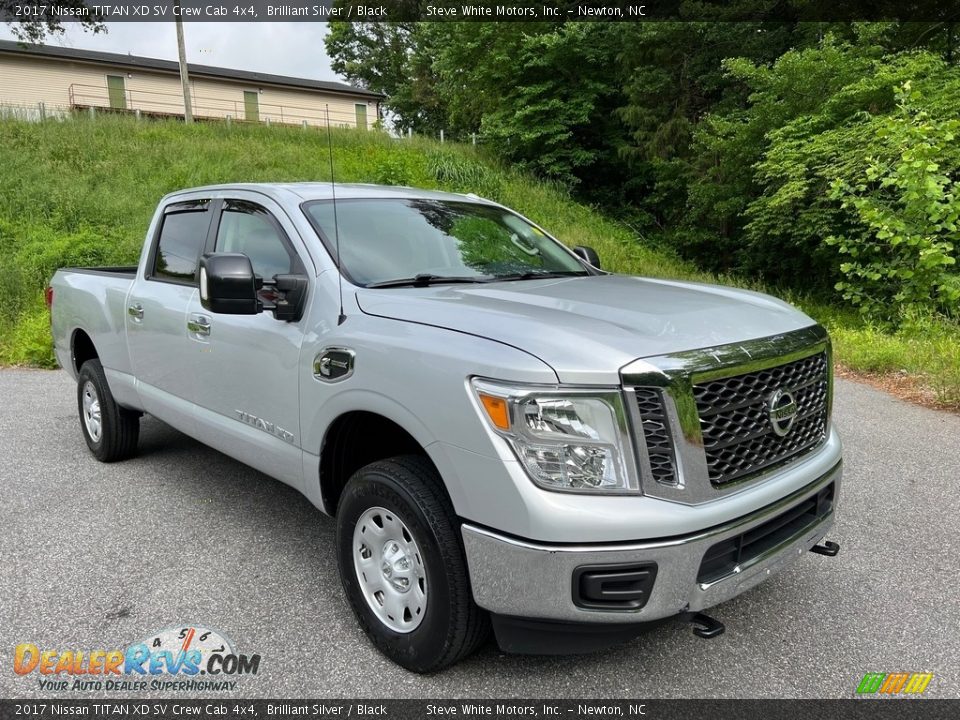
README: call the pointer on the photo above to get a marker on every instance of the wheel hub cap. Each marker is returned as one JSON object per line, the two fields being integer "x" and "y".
{"x": 91, "y": 411}
{"x": 390, "y": 569}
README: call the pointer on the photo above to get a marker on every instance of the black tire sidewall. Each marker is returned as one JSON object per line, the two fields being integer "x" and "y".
{"x": 421, "y": 649}
{"x": 92, "y": 372}
{"x": 119, "y": 428}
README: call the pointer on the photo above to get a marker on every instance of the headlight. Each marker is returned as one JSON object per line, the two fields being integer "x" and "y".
{"x": 566, "y": 439}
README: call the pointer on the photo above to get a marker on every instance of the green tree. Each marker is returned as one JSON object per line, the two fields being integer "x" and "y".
{"x": 906, "y": 263}
{"x": 759, "y": 197}
{"x": 34, "y": 28}
{"x": 728, "y": 172}
{"x": 541, "y": 95}
{"x": 388, "y": 57}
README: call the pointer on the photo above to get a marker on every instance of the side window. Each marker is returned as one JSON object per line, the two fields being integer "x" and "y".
{"x": 249, "y": 229}
{"x": 182, "y": 237}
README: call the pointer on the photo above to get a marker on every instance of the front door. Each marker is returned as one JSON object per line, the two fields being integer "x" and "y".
{"x": 116, "y": 92}
{"x": 156, "y": 313}
{"x": 251, "y": 106}
{"x": 247, "y": 395}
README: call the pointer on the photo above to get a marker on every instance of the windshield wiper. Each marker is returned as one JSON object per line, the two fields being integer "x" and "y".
{"x": 425, "y": 279}
{"x": 538, "y": 274}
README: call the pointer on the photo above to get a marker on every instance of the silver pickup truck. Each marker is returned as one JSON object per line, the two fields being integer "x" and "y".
{"x": 507, "y": 436}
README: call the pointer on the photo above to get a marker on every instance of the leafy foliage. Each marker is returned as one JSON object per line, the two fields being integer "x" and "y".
{"x": 33, "y": 28}
{"x": 907, "y": 261}
{"x": 548, "y": 119}
{"x": 381, "y": 56}
{"x": 814, "y": 117}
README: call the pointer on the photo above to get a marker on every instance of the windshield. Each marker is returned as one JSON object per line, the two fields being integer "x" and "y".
{"x": 389, "y": 241}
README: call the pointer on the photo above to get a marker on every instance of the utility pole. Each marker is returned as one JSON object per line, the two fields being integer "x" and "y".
{"x": 184, "y": 74}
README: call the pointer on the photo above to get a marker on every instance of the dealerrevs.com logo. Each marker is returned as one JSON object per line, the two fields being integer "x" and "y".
{"x": 189, "y": 658}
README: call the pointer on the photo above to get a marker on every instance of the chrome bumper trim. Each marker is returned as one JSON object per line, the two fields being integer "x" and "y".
{"x": 528, "y": 579}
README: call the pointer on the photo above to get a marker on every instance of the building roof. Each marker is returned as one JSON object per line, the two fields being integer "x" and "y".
{"x": 144, "y": 63}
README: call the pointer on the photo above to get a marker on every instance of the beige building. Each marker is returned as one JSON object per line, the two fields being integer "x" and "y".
{"x": 40, "y": 80}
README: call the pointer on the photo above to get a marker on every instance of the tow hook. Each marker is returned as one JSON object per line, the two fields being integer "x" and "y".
{"x": 828, "y": 548}
{"x": 706, "y": 627}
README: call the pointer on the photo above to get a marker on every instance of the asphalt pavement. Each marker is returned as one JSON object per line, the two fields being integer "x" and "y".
{"x": 100, "y": 556}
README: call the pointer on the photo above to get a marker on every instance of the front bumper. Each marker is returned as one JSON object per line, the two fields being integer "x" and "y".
{"x": 525, "y": 579}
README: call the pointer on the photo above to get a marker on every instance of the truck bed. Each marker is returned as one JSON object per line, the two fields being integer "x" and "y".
{"x": 92, "y": 300}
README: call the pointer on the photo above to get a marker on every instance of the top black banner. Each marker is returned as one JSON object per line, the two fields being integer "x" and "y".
{"x": 558, "y": 11}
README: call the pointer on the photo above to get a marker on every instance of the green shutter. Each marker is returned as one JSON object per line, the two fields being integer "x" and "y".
{"x": 116, "y": 92}
{"x": 251, "y": 106}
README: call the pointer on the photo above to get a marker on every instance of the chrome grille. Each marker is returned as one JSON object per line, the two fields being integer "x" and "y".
{"x": 738, "y": 437}
{"x": 656, "y": 434}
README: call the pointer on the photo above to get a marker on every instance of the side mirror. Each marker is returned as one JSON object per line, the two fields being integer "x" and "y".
{"x": 587, "y": 254}
{"x": 228, "y": 285}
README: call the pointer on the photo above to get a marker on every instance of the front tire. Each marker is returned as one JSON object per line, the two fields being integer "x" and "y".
{"x": 111, "y": 432}
{"x": 402, "y": 565}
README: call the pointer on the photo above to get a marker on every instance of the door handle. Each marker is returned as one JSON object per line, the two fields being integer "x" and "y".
{"x": 135, "y": 311}
{"x": 200, "y": 326}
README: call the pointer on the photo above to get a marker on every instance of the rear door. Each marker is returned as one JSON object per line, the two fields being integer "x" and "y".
{"x": 247, "y": 394}
{"x": 163, "y": 359}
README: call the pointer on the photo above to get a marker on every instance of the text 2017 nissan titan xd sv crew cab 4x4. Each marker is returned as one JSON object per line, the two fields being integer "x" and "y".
{"x": 507, "y": 436}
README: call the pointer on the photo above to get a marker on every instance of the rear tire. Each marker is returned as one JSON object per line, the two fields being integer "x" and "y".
{"x": 403, "y": 568}
{"x": 111, "y": 432}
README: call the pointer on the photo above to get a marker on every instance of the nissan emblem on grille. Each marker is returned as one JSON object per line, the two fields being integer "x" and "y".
{"x": 755, "y": 420}
{"x": 782, "y": 409}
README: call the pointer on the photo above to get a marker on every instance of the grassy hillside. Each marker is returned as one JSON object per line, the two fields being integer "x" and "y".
{"x": 82, "y": 193}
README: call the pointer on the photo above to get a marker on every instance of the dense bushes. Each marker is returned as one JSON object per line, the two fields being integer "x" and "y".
{"x": 840, "y": 174}
{"x": 905, "y": 261}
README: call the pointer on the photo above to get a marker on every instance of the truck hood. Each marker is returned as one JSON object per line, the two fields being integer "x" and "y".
{"x": 587, "y": 328}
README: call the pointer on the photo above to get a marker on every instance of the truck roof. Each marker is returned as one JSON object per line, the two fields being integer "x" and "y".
{"x": 324, "y": 191}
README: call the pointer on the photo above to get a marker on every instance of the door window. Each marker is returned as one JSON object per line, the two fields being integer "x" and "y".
{"x": 182, "y": 237}
{"x": 249, "y": 229}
